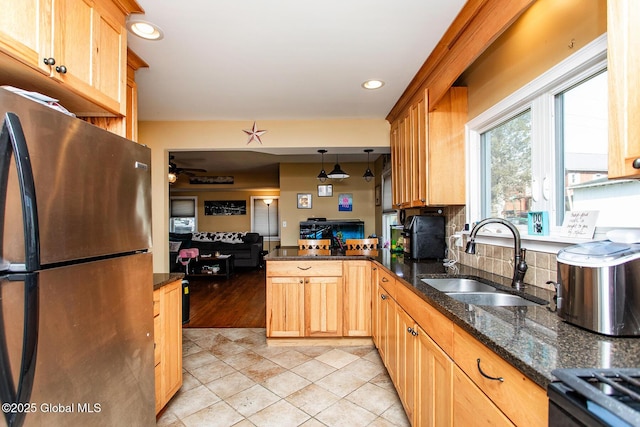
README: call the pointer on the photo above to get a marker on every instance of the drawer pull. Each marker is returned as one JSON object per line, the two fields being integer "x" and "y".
{"x": 384, "y": 279}
{"x": 636, "y": 164}
{"x": 304, "y": 268}
{"x": 487, "y": 376}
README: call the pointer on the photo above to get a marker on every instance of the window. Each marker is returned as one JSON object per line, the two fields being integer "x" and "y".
{"x": 544, "y": 148}
{"x": 182, "y": 215}
{"x": 506, "y": 166}
{"x": 265, "y": 219}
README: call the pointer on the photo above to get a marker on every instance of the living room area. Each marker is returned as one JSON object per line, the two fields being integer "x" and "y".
{"x": 219, "y": 197}
{"x": 228, "y": 209}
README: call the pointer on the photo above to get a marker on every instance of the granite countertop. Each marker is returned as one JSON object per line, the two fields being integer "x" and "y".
{"x": 161, "y": 279}
{"x": 533, "y": 339}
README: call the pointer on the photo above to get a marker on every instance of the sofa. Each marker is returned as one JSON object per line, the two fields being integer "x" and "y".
{"x": 245, "y": 247}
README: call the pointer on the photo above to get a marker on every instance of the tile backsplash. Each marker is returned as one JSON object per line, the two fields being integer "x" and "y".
{"x": 497, "y": 259}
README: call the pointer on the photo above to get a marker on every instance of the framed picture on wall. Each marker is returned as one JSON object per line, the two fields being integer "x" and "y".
{"x": 325, "y": 190}
{"x": 345, "y": 202}
{"x": 304, "y": 200}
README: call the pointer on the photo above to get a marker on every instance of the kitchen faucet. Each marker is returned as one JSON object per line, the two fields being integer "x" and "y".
{"x": 519, "y": 263}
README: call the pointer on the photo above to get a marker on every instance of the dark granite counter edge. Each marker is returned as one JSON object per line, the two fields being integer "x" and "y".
{"x": 162, "y": 279}
{"x": 535, "y": 342}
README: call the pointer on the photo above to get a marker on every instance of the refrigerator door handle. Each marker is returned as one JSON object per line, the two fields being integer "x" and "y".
{"x": 12, "y": 132}
{"x": 8, "y": 393}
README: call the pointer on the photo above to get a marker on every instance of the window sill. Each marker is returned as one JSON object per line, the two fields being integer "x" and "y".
{"x": 549, "y": 244}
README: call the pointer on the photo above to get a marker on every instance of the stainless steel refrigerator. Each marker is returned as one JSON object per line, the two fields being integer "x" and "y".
{"x": 76, "y": 291}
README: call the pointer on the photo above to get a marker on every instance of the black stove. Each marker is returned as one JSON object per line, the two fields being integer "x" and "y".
{"x": 595, "y": 397}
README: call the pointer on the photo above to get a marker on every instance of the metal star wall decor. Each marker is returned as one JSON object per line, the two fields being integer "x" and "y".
{"x": 254, "y": 133}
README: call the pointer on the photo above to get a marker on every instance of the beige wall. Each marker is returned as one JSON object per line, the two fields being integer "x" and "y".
{"x": 301, "y": 178}
{"x": 538, "y": 40}
{"x": 163, "y": 137}
{"x": 225, "y": 222}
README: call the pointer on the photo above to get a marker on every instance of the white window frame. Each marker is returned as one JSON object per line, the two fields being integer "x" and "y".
{"x": 195, "y": 205}
{"x": 539, "y": 96}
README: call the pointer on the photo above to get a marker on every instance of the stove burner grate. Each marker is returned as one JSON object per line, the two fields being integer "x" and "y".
{"x": 615, "y": 390}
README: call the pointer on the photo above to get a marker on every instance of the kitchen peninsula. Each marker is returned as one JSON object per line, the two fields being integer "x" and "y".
{"x": 417, "y": 328}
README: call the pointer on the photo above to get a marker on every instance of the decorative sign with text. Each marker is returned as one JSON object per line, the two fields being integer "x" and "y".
{"x": 581, "y": 224}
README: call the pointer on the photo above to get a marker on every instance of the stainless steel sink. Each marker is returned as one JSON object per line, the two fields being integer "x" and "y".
{"x": 490, "y": 298}
{"x": 454, "y": 284}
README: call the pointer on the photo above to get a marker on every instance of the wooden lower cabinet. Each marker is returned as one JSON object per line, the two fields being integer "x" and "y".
{"x": 434, "y": 388}
{"x": 387, "y": 333}
{"x": 406, "y": 380}
{"x": 433, "y": 365}
{"x": 305, "y": 299}
{"x": 357, "y": 298}
{"x": 531, "y": 410}
{"x": 471, "y": 407}
{"x": 167, "y": 310}
{"x": 285, "y": 307}
{"x": 323, "y": 306}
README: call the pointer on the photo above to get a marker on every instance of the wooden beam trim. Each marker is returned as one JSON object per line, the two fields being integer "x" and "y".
{"x": 490, "y": 19}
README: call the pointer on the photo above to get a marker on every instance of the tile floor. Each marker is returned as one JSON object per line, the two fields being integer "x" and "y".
{"x": 232, "y": 378}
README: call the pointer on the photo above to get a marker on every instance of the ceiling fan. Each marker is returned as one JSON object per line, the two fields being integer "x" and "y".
{"x": 174, "y": 170}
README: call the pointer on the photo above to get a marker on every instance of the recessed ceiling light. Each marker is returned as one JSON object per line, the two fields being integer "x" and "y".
{"x": 145, "y": 29}
{"x": 373, "y": 84}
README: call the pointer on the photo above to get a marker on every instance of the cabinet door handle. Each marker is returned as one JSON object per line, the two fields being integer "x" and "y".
{"x": 301, "y": 281}
{"x": 410, "y": 330}
{"x": 304, "y": 268}
{"x": 61, "y": 69}
{"x": 49, "y": 61}
{"x": 383, "y": 296}
{"x": 374, "y": 268}
{"x": 636, "y": 164}
{"x": 384, "y": 279}
{"x": 414, "y": 332}
{"x": 488, "y": 376}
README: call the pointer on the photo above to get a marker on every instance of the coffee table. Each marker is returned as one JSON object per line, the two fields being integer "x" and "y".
{"x": 202, "y": 267}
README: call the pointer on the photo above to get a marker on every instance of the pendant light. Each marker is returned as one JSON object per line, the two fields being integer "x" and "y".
{"x": 322, "y": 176}
{"x": 337, "y": 172}
{"x": 368, "y": 175}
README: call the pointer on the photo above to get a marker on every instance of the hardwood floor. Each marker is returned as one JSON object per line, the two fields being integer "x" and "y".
{"x": 237, "y": 302}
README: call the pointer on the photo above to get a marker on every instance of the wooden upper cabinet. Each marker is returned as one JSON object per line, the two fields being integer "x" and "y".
{"x": 396, "y": 165}
{"x": 77, "y": 48}
{"x": 427, "y": 152}
{"x": 446, "y": 154}
{"x": 25, "y": 31}
{"x": 419, "y": 166}
{"x": 134, "y": 62}
{"x": 623, "y": 35}
{"x": 90, "y": 42}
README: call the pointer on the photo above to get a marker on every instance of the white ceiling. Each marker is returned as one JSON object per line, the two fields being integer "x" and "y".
{"x": 256, "y": 60}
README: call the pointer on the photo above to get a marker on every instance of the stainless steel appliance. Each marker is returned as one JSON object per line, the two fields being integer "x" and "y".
{"x": 424, "y": 237}
{"x": 594, "y": 397}
{"x": 76, "y": 290}
{"x": 599, "y": 287}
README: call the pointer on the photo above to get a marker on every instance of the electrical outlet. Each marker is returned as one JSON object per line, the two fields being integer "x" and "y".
{"x": 458, "y": 240}
{"x": 284, "y": 224}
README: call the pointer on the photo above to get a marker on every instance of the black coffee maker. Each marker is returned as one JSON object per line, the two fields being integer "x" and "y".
{"x": 424, "y": 237}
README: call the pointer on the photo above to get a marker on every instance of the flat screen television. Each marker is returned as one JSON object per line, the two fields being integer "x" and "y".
{"x": 334, "y": 230}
